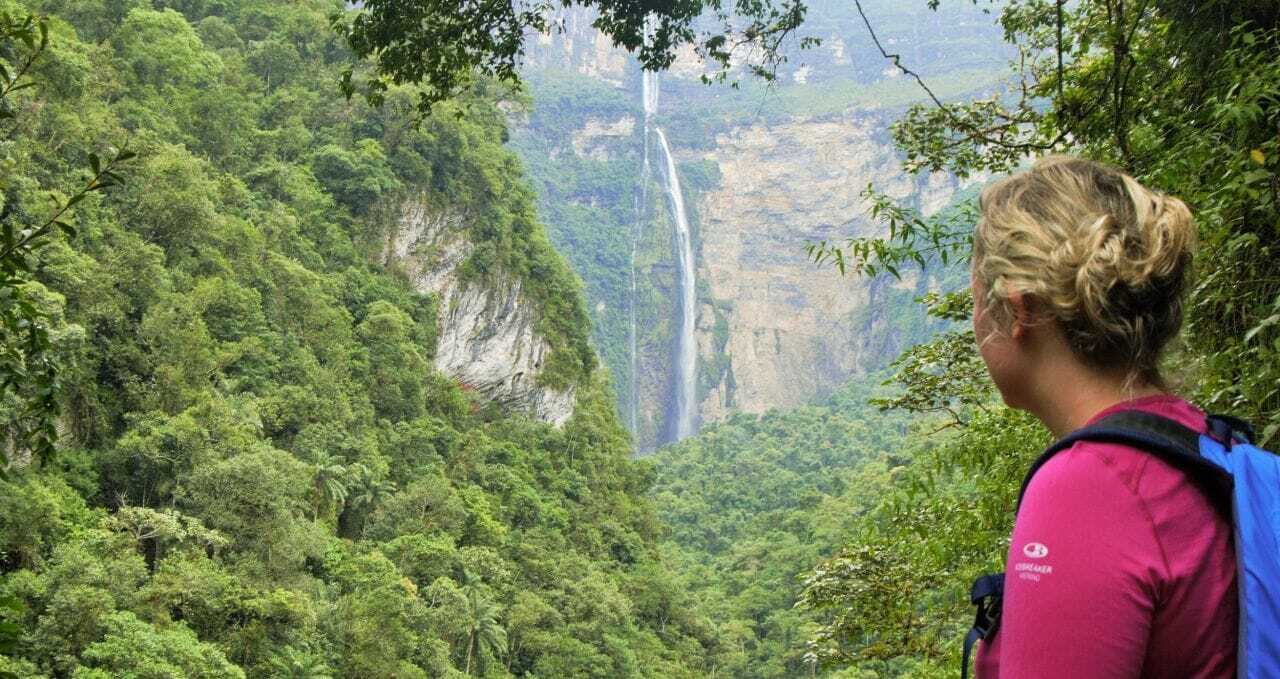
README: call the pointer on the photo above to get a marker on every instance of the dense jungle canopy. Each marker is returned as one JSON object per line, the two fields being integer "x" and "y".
{"x": 228, "y": 453}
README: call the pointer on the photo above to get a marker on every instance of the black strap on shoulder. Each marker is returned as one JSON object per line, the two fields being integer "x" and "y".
{"x": 1172, "y": 442}
{"x": 986, "y": 596}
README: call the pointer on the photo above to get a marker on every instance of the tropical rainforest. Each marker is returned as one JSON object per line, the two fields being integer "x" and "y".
{"x": 228, "y": 450}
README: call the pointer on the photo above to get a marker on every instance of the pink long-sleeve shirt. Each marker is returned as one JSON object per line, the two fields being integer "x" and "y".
{"x": 1119, "y": 568}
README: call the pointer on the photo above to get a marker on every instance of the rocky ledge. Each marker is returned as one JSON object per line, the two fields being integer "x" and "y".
{"x": 488, "y": 339}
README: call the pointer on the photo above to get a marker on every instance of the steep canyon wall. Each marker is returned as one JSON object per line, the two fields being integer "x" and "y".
{"x": 792, "y": 330}
{"x": 765, "y": 172}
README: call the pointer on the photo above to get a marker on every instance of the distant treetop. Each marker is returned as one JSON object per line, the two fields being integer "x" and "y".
{"x": 441, "y": 46}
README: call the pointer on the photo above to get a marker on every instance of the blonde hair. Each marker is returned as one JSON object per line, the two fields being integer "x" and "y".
{"x": 1094, "y": 250}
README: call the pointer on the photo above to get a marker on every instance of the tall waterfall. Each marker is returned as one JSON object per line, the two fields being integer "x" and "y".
{"x": 686, "y": 374}
{"x": 687, "y": 367}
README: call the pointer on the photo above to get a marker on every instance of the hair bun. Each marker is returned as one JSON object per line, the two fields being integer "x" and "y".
{"x": 1104, "y": 254}
{"x": 1103, "y": 266}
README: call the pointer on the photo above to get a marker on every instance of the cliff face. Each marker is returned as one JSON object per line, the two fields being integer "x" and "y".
{"x": 787, "y": 329}
{"x": 488, "y": 337}
{"x": 765, "y": 173}
{"x": 575, "y": 45}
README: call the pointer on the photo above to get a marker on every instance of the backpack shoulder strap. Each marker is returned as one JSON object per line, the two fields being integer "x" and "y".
{"x": 987, "y": 597}
{"x": 1171, "y": 441}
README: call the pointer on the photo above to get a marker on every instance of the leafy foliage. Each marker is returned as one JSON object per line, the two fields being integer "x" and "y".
{"x": 1184, "y": 98}
{"x": 259, "y": 471}
{"x": 443, "y": 46}
{"x": 912, "y": 240}
{"x": 28, "y": 372}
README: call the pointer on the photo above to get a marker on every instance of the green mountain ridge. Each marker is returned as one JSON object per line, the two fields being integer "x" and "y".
{"x": 261, "y": 473}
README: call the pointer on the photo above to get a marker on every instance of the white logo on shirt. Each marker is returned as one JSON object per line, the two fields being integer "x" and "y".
{"x": 1035, "y": 550}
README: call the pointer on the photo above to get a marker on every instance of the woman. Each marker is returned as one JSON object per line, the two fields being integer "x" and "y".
{"x": 1119, "y": 566}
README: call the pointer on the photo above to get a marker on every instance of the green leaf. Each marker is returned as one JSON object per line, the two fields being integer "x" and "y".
{"x": 1266, "y": 323}
{"x": 1269, "y": 432}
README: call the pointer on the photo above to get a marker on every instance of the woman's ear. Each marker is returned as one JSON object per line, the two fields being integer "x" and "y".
{"x": 1020, "y": 306}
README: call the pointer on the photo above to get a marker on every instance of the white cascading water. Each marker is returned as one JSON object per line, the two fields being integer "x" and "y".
{"x": 686, "y": 346}
{"x": 649, "y": 80}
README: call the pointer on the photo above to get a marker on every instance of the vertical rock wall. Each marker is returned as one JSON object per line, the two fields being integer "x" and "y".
{"x": 787, "y": 329}
{"x": 488, "y": 337}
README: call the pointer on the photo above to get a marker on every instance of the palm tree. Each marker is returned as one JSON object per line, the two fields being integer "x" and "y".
{"x": 369, "y": 488}
{"x": 330, "y": 484}
{"x": 365, "y": 489}
{"x": 483, "y": 631}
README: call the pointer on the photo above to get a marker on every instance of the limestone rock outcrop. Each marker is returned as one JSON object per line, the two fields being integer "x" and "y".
{"x": 573, "y": 44}
{"x": 792, "y": 331}
{"x": 488, "y": 337}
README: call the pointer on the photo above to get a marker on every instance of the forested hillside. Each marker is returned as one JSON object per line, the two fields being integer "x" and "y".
{"x": 259, "y": 473}
{"x": 753, "y": 502}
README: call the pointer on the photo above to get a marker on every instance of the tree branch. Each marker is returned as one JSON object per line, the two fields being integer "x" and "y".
{"x": 896, "y": 58}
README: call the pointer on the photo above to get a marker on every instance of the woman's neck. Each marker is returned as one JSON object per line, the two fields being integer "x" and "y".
{"x": 1072, "y": 395}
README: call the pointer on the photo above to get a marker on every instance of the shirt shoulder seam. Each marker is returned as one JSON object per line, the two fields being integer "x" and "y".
{"x": 1141, "y": 501}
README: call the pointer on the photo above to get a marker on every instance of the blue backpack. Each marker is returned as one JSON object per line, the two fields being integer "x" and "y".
{"x": 1242, "y": 481}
